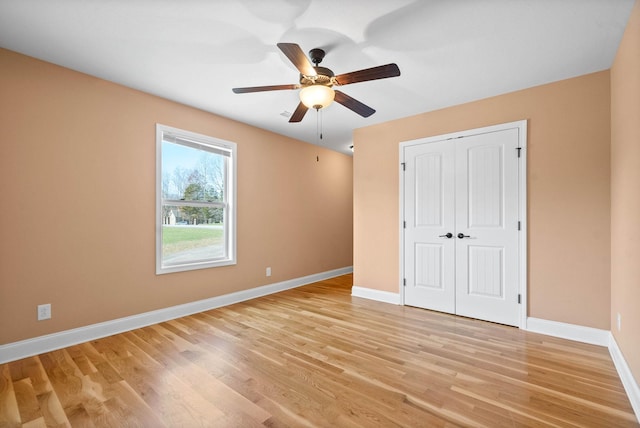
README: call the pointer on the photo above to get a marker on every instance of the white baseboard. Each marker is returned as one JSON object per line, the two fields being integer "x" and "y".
{"x": 38, "y": 345}
{"x": 594, "y": 336}
{"x": 380, "y": 296}
{"x": 628, "y": 381}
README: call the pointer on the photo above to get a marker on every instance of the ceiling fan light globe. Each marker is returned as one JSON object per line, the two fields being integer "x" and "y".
{"x": 317, "y": 96}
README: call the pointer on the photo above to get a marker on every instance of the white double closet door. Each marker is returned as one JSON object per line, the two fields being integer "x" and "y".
{"x": 461, "y": 234}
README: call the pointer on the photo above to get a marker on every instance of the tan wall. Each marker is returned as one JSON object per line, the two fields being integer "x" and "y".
{"x": 568, "y": 193}
{"x": 77, "y": 181}
{"x": 625, "y": 193}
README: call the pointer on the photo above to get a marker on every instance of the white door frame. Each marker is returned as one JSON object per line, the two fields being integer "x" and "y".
{"x": 521, "y": 125}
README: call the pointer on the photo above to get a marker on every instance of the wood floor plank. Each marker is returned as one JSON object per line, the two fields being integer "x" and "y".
{"x": 27, "y": 400}
{"x": 53, "y": 413}
{"x": 315, "y": 356}
{"x": 9, "y": 410}
{"x": 36, "y": 423}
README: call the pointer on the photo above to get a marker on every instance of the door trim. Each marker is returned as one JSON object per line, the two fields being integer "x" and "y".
{"x": 521, "y": 126}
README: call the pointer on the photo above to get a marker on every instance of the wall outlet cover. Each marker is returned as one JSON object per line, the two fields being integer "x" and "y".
{"x": 44, "y": 312}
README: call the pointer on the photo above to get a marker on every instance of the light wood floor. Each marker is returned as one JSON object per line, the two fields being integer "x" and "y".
{"x": 315, "y": 356}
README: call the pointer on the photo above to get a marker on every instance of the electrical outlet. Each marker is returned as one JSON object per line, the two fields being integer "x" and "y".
{"x": 44, "y": 312}
{"x": 619, "y": 321}
{"x": 268, "y": 271}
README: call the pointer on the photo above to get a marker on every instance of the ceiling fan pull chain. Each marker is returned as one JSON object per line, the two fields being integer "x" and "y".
{"x": 319, "y": 123}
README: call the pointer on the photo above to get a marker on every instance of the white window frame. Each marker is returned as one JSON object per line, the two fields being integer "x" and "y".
{"x": 214, "y": 145}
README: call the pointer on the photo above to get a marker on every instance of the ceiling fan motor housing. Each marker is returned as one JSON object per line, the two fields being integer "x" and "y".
{"x": 323, "y": 77}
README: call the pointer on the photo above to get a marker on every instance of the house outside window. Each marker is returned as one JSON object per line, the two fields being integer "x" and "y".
{"x": 195, "y": 201}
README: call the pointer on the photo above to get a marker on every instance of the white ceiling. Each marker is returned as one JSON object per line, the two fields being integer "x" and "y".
{"x": 194, "y": 51}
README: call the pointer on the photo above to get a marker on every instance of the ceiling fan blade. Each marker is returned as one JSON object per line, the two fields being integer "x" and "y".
{"x": 264, "y": 88}
{"x": 353, "y": 104}
{"x": 297, "y": 115}
{"x": 374, "y": 73}
{"x": 298, "y": 58}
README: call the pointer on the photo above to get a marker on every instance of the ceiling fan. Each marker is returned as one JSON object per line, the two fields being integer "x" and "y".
{"x": 316, "y": 83}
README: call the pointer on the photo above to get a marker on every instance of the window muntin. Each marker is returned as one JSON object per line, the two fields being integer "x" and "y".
{"x": 195, "y": 194}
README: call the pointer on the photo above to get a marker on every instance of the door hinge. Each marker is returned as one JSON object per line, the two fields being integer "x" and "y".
{"x": 404, "y": 281}
{"x": 519, "y": 299}
{"x": 518, "y": 149}
{"x": 404, "y": 166}
{"x": 404, "y": 224}
{"x": 519, "y": 226}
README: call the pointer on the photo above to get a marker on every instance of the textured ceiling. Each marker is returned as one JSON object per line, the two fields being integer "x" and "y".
{"x": 194, "y": 51}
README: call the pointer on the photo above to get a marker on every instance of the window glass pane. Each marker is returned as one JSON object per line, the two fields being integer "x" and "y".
{"x": 192, "y": 234}
{"x": 195, "y": 201}
{"x": 192, "y": 174}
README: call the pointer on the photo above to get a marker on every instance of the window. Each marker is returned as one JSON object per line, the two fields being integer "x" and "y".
{"x": 195, "y": 201}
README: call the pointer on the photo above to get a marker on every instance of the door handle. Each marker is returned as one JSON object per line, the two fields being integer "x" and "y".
{"x": 448, "y": 235}
{"x": 462, "y": 235}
